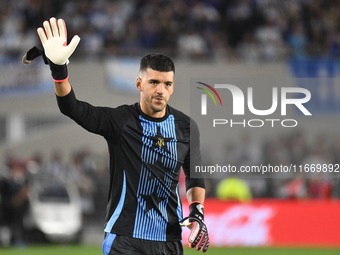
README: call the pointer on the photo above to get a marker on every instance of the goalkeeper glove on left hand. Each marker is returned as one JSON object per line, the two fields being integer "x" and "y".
{"x": 198, "y": 237}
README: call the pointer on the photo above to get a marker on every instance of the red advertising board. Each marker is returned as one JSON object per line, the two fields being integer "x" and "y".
{"x": 272, "y": 222}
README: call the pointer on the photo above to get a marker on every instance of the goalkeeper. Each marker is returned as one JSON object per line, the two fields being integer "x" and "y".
{"x": 148, "y": 142}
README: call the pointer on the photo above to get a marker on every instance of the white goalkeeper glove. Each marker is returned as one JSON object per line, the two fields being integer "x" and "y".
{"x": 54, "y": 40}
{"x": 198, "y": 238}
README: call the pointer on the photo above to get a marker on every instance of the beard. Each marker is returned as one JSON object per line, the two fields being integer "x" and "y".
{"x": 156, "y": 103}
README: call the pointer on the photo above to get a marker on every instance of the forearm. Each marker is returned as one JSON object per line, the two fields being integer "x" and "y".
{"x": 93, "y": 119}
{"x": 62, "y": 88}
{"x": 196, "y": 194}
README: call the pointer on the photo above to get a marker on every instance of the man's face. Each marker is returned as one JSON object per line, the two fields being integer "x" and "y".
{"x": 156, "y": 88}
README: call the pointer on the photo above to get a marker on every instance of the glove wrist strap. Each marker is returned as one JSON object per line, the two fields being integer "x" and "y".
{"x": 59, "y": 72}
{"x": 196, "y": 209}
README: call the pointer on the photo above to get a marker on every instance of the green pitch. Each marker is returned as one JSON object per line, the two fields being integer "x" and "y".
{"x": 96, "y": 250}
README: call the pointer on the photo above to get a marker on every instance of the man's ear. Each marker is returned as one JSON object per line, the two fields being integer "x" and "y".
{"x": 139, "y": 83}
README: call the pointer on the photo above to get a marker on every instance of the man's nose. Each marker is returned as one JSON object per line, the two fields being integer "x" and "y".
{"x": 160, "y": 88}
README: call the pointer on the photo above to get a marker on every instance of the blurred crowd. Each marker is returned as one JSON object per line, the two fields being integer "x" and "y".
{"x": 314, "y": 167}
{"x": 89, "y": 173}
{"x": 250, "y": 30}
{"x": 84, "y": 180}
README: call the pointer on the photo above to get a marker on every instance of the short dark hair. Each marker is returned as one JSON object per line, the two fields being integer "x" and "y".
{"x": 158, "y": 62}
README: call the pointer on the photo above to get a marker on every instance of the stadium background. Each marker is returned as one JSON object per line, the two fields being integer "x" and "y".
{"x": 284, "y": 40}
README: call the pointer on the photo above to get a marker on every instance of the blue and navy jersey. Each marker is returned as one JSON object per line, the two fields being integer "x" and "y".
{"x": 146, "y": 155}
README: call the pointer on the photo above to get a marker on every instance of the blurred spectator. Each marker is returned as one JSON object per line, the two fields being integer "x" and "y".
{"x": 297, "y": 40}
{"x": 320, "y": 155}
{"x": 55, "y": 165}
{"x": 276, "y": 151}
{"x": 250, "y": 151}
{"x": 212, "y": 29}
{"x": 83, "y": 181}
{"x": 230, "y": 154}
{"x": 249, "y": 49}
{"x": 14, "y": 195}
{"x": 93, "y": 42}
{"x": 335, "y": 150}
{"x": 298, "y": 147}
{"x": 35, "y": 164}
{"x": 270, "y": 41}
{"x": 319, "y": 188}
{"x": 296, "y": 188}
{"x": 192, "y": 44}
{"x": 240, "y": 17}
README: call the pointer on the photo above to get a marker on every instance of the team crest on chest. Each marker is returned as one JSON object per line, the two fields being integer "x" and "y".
{"x": 160, "y": 142}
